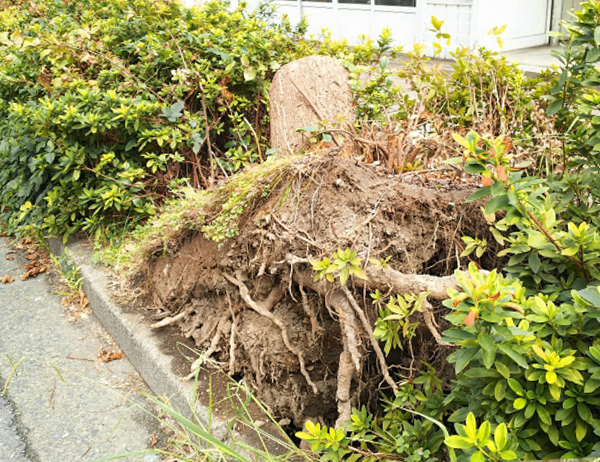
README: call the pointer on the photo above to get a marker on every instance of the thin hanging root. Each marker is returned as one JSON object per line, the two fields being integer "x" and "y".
{"x": 310, "y": 312}
{"x": 369, "y": 330}
{"x": 222, "y": 328}
{"x": 430, "y": 323}
{"x": 232, "y": 344}
{"x": 168, "y": 321}
{"x": 263, "y": 311}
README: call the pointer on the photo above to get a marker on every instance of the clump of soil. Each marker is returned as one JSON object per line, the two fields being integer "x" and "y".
{"x": 305, "y": 346}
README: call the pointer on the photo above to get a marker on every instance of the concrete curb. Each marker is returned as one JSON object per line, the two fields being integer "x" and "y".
{"x": 138, "y": 342}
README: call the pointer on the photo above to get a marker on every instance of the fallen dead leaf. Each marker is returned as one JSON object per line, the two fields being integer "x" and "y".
{"x": 154, "y": 441}
{"x": 33, "y": 256}
{"x": 10, "y": 258}
{"x": 6, "y": 279}
{"x": 33, "y": 269}
{"x": 109, "y": 355}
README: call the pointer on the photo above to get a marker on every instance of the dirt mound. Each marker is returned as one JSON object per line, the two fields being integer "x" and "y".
{"x": 252, "y": 302}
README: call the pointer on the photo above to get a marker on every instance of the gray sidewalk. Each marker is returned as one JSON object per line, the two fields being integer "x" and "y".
{"x": 59, "y": 408}
{"x": 533, "y": 60}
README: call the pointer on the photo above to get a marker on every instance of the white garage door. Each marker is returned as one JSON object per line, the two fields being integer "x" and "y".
{"x": 527, "y": 21}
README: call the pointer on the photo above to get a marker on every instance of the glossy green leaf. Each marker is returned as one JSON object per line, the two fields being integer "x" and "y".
{"x": 458, "y": 442}
{"x": 520, "y": 403}
{"x": 512, "y": 354}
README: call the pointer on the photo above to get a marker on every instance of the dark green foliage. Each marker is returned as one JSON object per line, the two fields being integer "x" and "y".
{"x": 105, "y": 104}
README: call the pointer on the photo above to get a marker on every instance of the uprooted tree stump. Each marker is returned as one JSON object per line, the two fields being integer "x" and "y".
{"x": 252, "y": 303}
{"x": 307, "y": 92}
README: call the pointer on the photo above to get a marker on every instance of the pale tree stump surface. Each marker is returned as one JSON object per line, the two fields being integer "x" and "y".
{"x": 304, "y": 93}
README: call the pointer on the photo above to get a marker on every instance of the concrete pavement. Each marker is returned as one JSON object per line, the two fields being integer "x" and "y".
{"x": 534, "y": 60}
{"x": 61, "y": 409}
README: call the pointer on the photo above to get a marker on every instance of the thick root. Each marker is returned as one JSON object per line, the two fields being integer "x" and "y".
{"x": 401, "y": 283}
{"x": 345, "y": 375}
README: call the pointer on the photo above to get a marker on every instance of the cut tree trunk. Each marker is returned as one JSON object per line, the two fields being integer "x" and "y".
{"x": 310, "y": 91}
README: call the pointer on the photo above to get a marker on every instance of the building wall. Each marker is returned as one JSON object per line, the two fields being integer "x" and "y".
{"x": 467, "y": 21}
{"x": 349, "y": 21}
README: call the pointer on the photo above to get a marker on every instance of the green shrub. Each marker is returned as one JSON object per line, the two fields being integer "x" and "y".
{"x": 105, "y": 105}
{"x": 528, "y": 354}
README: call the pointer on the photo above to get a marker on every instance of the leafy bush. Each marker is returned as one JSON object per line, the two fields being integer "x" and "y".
{"x": 529, "y": 354}
{"x": 106, "y": 105}
{"x": 481, "y": 91}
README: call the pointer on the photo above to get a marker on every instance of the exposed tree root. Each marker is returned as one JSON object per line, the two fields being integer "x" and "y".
{"x": 347, "y": 321}
{"x": 310, "y": 312}
{"x": 401, "y": 283}
{"x": 430, "y": 323}
{"x": 168, "y": 321}
{"x": 265, "y": 310}
{"x": 345, "y": 375}
{"x": 388, "y": 278}
{"x": 315, "y": 206}
{"x": 232, "y": 343}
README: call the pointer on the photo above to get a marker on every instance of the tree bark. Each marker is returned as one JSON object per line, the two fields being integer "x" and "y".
{"x": 305, "y": 92}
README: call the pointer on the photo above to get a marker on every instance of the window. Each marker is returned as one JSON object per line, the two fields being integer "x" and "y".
{"x": 396, "y": 2}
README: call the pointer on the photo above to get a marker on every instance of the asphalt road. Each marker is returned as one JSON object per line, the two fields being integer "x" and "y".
{"x": 12, "y": 445}
{"x": 58, "y": 408}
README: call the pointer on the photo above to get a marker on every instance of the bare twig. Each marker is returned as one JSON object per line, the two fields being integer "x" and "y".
{"x": 353, "y": 137}
{"x": 51, "y": 400}
{"x": 81, "y": 359}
